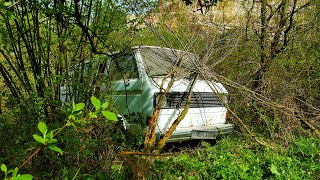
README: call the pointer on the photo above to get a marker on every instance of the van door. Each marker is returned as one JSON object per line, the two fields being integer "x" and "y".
{"x": 126, "y": 85}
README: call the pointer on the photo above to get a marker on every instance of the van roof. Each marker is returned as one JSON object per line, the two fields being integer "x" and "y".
{"x": 158, "y": 47}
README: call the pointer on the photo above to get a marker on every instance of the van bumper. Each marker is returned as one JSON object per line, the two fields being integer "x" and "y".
{"x": 185, "y": 134}
{"x": 205, "y": 132}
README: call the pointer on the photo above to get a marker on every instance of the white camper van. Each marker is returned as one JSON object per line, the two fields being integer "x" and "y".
{"x": 136, "y": 78}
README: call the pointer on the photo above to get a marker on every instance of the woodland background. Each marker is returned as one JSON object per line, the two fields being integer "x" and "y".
{"x": 266, "y": 53}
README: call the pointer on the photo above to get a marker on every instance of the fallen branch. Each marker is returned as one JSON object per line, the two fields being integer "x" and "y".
{"x": 309, "y": 125}
{"x": 264, "y": 100}
{"x": 244, "y": 126}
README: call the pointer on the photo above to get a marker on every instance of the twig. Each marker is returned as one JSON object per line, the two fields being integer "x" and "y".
{"x": 39, "y": 148}
{"x": 30, "y": 157}
{"x": 13, "y": 4}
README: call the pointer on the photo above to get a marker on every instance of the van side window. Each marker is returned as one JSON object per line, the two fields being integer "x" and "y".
{"x": 123, "y": 67}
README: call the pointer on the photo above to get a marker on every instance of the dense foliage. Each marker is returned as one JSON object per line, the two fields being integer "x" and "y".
{"x": 267, "y": 56}
{"x": 236, "y": 158}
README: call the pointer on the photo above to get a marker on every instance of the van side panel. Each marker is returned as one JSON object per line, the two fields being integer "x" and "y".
{"x": 127, "y": 96}
{"x": 127, "y": 88}
{"x": 147, "y": 89}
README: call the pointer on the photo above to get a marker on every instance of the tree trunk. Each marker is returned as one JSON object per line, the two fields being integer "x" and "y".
{"x": 263, "y": 49}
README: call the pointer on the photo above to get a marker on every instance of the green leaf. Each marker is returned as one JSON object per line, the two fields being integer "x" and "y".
{"x": 96, "y": 102}
{"x": 72, "y": 117}
{"x": 24, "y": 177}
{"x": 11, "y": 16}
{"x": 50, "y": 135}
{"x": 110, "y": 115}
{"x": 274, "y": 170}
{"x": 105, "y": 105}
{"x": 92, "y": 115}
{"x": 79, "y": 107}
{"x": 52, "y": 141}
{"x": 69, "y": 123}
{"x": 7, "y": 3}
{"x": 42, "y": 127}
{"x": 15, "y": 172}
{"x": 4, "y": 168}
{"x": 79, "y": 121}
{"x": 55, "y": 148}
{"x": 38, "y": 138}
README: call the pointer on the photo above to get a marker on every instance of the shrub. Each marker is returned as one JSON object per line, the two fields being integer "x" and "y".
{"x": 237, "y": 158}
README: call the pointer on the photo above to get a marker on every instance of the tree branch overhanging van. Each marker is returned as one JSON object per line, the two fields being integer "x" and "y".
{"x": 137, "y": 79}
{"x": 138, "y": 76}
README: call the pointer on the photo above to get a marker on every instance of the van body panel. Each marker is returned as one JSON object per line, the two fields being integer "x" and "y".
{"x": 205, "y": 132}
{"x": 135, "y": 83}
{"x": 182, "y": 85}
{"x": 195, "y": 118}
{"x": 206, "y": 111}
{"x": 127, "y": 96}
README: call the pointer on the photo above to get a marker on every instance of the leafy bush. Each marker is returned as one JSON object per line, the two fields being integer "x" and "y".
{"x": 89, "y": 146}
{"x": 236, "y": 158}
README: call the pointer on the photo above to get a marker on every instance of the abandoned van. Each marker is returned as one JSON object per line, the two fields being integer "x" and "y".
{"x": 138, "y": 76}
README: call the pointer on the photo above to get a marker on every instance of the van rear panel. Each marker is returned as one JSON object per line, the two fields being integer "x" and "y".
{"x": 195, "y": 118}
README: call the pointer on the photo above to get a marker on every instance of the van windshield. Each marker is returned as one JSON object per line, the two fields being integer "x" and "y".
{"x": 123, "y": 66}
{"x": 160, "y": 61}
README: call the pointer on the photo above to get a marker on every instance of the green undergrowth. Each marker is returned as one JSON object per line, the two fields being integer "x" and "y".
{"x": 238, "y": 158}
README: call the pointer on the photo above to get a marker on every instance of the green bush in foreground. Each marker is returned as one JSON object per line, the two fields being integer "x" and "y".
{"x": 236, "y": 158}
